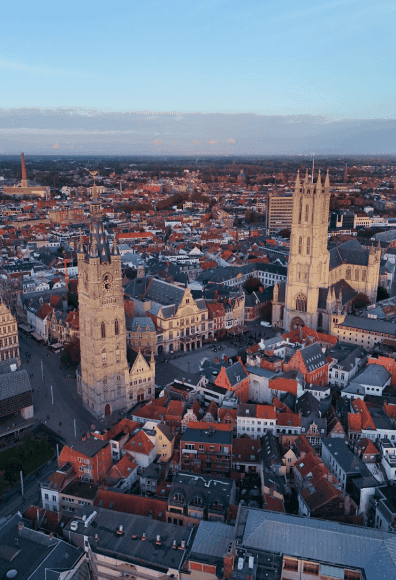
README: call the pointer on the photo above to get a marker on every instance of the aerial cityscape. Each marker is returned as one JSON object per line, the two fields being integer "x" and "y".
{"x": 198, "y": 291}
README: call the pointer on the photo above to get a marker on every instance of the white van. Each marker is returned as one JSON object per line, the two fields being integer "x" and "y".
{"x": 266, "y": 324}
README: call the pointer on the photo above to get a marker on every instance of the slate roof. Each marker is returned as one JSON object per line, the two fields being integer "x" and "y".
{"x": 313, "y": 357}
{"x": 140, "y": 323}
{"x": 350, "y": 252}
{"x": 347, "y": 460}
{"x": 369, "y": 324}
{"x": 212, "y": 540}
{"x": 15, "y": 392}
{"x": 36, "y": 554}
{"x": 205, "y": 436}
{"x": 373, "y": 376}
{"x": 321, "y": 541}
{"x": 133, "y": 549}
{"x": 236, "y": 373}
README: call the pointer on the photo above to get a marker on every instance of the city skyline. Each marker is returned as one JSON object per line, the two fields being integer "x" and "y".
{"x": 278, "y": 78}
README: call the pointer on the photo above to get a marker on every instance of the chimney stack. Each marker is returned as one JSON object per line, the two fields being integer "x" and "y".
{"x": 24, "y": 178}
{"x": 21, "y": 525}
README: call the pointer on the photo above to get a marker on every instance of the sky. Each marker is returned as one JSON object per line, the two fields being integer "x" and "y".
{"x": 198, "y": 76}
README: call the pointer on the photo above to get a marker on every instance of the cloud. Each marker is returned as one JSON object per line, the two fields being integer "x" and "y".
{"x": 110, "y": 132}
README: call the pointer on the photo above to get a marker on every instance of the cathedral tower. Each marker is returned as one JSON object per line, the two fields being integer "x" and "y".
{"x": 308, "y": 268}
{"x": 104, "y": 378}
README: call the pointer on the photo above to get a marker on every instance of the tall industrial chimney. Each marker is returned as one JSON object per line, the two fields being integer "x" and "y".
{"x": 24, "y": 179}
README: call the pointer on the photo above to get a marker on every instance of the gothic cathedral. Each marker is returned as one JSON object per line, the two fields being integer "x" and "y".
{"x": 104, "y": 379}
{"x": 319, "y": 281}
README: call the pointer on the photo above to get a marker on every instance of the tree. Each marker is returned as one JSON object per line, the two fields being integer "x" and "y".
{"x": 252, "y": 284}
{"x": 360, "y": 301}
{"x": 72, "y": 348}
{"x": 285, "y": 233}
{"x": 382, "y": 293}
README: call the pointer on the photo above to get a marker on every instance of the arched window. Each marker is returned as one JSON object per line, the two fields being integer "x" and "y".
{"x": 104, "y": 358}
{"x": 301, "y": 303}
{"x": 116, "y": 327}
{"x": 178, "y": 497}
{"x": 306, "y": 212}
{"x": 348, "y": 274}
{"x": 300, "y": 245}
{"x": 363, "y": 275}
{"x": 357, "y": 275}
{"x": 103, "y": 330}
{"x": 197, "y": 501}
{"x": 308, "y": 246}
{"x": 300, "y": 212}
{"x": 117, "y": 352}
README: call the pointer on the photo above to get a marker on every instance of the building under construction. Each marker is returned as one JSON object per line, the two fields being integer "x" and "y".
{"x": 23, "y": 189}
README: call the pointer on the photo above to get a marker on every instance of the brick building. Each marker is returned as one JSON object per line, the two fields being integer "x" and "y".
{"x": 206, "y": 448}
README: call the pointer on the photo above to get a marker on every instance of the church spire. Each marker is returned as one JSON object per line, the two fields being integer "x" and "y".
{"x": 306, "y": 180}
{"x": 319, "y": 183}
{"x": 327, "y": 180}
{"x": 298, "y": 184}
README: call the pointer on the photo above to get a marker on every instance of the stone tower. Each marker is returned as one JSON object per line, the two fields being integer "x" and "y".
{"x": 308, "y": 268}
{"x": 104, "y": 378}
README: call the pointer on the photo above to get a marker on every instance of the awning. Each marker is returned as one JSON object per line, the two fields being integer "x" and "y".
{"x": 37, "y": 336}
{"x": 25, "y": 327}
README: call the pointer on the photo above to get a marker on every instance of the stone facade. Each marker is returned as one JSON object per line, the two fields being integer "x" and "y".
{"x": 9, "y": 341}
{"x": 104, "y": 384}
{"x": 320, "y": 282}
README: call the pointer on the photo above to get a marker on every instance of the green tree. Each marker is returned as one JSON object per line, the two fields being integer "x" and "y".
{"x": 360, "y": 301}
{"x": 252, "y": 284}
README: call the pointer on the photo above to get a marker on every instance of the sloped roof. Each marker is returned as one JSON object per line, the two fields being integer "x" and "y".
{"x": 323, "y": 541}
{"x": 350, "y": 252}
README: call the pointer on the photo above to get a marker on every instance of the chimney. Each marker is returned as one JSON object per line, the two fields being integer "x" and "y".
{"x": 158, "y": 540}
{"x": 21, "y": 525}
{"x": 182, "y": 545}
{"x": 174, "y": 544}
{"x": 228, "y": 562}
{"x": 144, "y": 536}
{"x": 120, "y": 531}
{"x": 51, "y": 535}
{"x": 24, "y": 178}
{"x": 88, "y": 435}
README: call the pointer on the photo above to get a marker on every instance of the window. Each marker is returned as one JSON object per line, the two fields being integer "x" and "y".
{"x": 46, "y": 496}
{"x": 311, "y": 568}
{"x": 290, "y": 564}
{"x": 306, "y": 212}
{"x": 116, "y": 327}
{"x": 300, "y": 245}
{"x": 104, "y": 358}
{"x": 348, "y": 274}
{"x": 301, "y": 303}
{"x": 357, "y": 275}
{"x": 103, "y": 330}
{"x": 308, "y": 246}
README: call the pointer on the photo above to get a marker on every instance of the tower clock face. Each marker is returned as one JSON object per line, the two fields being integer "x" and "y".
{"x": 107, "y": 282}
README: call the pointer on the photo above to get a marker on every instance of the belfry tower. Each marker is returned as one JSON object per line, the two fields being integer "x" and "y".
{"x": 308, "y": 268}
{"x": 104, "y": 378}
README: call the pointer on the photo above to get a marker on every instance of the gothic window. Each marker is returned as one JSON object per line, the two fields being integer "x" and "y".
{"x": 103, "y": 330}
{"x": 105, "y": 384}
{"x": 300, "y": 245}
{"x": 300, "y": 212}
{"x": 116, "y": 327}
{"x": 348, "y": 274}
{"x": 308, "y": 246}
{"x": 104, "y": 358}
{"x": 301, "y": 303}
{"x": 306, "y": 212}
{"x": 117, "y": 354}
{"x": 357, "y": 275}
{"x": 363, "y": 275}
{"x": 118, "y": 380}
